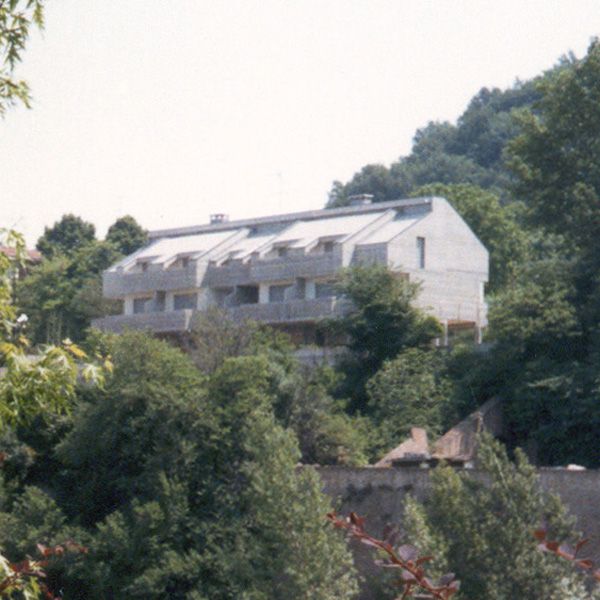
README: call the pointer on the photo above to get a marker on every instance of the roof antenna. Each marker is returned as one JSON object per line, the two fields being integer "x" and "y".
{"x": 279, "y": 175}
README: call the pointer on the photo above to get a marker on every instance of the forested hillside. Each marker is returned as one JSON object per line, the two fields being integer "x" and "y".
{"x": 175, "y": 467}
{"x": 521, "y": 166}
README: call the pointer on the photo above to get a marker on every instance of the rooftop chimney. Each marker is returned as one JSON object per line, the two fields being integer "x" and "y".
{"x": 218, "y": 218}
{"x": 360, "y": 199}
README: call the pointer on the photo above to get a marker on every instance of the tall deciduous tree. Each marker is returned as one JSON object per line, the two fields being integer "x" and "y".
{"x": 16, "y": 20}
{"x": 62, "y": 294}
{"x": 382, "y": 324}
{"x": 557, "y": 156}
{"x": 195, "y": 492}
{"x": 484, "y": 530}
{"x": 408, "y": 391}
{"x": 126, "y": 235}
{"x": 69, "y": 234}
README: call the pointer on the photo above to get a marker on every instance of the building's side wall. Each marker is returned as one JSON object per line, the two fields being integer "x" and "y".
{"x": 456, "y": 265}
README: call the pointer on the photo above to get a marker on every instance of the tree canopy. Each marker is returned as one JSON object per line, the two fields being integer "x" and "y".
{"x": 482, "y": 531}
{"x": 126, "y": 235}
{"x": 69, "y": 234}
{"x": 17, "y": 17}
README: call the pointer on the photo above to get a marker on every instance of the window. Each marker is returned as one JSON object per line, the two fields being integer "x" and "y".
{"x": 421, "y": 252}
{"x": 247, "y": 294}
{"x": 281, "y": 252}
{"x": 324, "y": 289}
{"x": 160, "y": 301}
{"x": 181, "y": 301}
{"x": 327, "y": 247}
{"x": 141, "y": 305}
{"x": 277, "y": 293}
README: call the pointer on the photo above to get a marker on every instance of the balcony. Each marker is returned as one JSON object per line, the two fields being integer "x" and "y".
{"x": 157, "y": 322}
{"x": 291, "y": 311}
{"x": 457, "y": 312}
{"x": 178, "y": 321}
{"x": 289, "y": 268}
{"x": 117, "y": 284}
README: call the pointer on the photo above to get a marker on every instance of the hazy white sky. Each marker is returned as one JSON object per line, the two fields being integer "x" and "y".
{"x": 172, "y": 110}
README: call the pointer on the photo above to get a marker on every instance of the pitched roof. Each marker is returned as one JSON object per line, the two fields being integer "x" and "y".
{"x": 32, "y": 255}
{"x": 458, "y": 445}
{"x": 283, "y": 219}
{"x": 302, "y": 230}
{"x": 414, "y": 448}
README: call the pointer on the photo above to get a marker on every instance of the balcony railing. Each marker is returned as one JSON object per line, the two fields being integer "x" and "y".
{"x": 157, "y": 322}
{"x": 117, "y": 284}
{"x": 294, "y": 310}
{"x": 181, "y": 320}
{"x": 458, "y": 311}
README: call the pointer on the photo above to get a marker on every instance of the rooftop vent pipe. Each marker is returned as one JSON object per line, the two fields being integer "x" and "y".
{"x": 218, "y": 218}
{"x": 360, "y": 199}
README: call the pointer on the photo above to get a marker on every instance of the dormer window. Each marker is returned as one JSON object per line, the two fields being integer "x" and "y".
{"x": 141, "y": 265}
{"x": 180, "y": 262}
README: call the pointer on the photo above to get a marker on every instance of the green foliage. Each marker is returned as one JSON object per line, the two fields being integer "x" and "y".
{"x": 557, "y": 154}
{"x": 537, "y": 315}
{"x": 303, "y": 400}
{"x": 215, "y": 336}
{"x": 556, "y": 161}
{"x": 110, "y": 453}
{"x": 415, "y": 525}
{"x": 16, "y": 20}
{"x": 66, "y": 236}
{"x": 32, "y": 385}
{"x": 62, "y": 294}
{"x": 384, "y": 322}
{"x": 408, "y": 391}
{"x": 326, "y": 434}
{"x": 486, "y": 529}
{"x": 192, "y": 487}
{"x": 470, "y": 152}
{"x": 126, "y": 235}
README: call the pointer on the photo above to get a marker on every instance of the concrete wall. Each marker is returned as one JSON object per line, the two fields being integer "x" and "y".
{"x": 378, "y": 495}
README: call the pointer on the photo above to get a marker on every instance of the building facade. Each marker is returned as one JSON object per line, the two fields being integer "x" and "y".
{"x": 282, "y": 269}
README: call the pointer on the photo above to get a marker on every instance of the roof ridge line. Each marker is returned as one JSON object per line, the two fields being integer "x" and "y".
{"x": 309, "y": 215}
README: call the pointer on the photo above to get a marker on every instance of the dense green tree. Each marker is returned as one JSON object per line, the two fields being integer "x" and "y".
{"x": 408, "y": 391}
{"x": 556, "y": 161}
{"x": 16, "y": 20}
{"x": 69, "y": 234}
{"x": 194, "y": 492}
{"x": 470, "y": 152}
{"x": 482, "y": 530}
{"x": 30, "y": 387}
{"x": 145, "y": 405}
{"x": 382, "y": 324}
{"x": 126, "y": 235}
{"x": 556, "y": 156}
{"x": 62, "y": 294}
{"x": 536, "y": 316}
{"x": 326, "y": 434}
{"x": 303, "y": 400}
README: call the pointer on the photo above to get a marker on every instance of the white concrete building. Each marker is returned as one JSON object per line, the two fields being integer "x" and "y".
{"x": 282, "y": 269}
